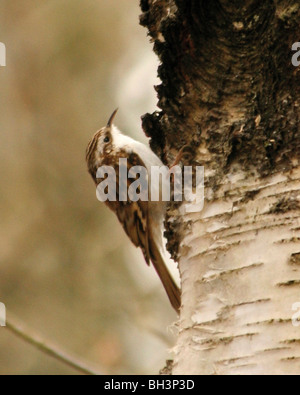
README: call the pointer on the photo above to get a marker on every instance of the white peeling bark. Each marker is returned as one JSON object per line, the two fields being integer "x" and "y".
{"x": 240, "y": 269}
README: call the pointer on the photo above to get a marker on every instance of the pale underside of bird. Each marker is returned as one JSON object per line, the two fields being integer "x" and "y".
{"x": 143, "y": 221}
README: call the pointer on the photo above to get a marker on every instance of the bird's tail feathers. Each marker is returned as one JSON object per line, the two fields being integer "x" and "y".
{"x": 169, "y": 284}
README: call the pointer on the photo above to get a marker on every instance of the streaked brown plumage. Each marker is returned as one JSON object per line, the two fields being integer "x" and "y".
{"x": 142, "y": 221}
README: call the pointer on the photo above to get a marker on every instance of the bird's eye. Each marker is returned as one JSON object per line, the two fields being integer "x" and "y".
{"x": 107, "y": 139}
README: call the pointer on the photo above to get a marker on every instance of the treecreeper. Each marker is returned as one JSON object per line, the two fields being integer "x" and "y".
{"x": 143, "y": 221}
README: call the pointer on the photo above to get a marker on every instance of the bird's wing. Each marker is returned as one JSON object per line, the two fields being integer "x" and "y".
{"x": 133, "y": 215}
{"x": 135, "y": 218}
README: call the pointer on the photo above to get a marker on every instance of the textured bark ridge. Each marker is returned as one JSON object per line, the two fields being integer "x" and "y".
{"x": 241, "y": 277}
{"x": 231, "y": 96}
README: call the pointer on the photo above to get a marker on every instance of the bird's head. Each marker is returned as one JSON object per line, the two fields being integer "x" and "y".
{"x": 101, "y": 146}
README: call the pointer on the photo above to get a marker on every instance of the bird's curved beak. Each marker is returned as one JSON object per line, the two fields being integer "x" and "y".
{"x": 111, "y": 119}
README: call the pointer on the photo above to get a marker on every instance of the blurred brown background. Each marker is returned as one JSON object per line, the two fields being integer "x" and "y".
{"x": 66, "y": 267}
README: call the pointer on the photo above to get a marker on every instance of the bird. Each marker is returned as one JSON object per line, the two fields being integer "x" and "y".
{"x": 143, "y": 221}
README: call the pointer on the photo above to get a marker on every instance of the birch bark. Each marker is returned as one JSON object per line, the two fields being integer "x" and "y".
{"x": 231, "y": 95}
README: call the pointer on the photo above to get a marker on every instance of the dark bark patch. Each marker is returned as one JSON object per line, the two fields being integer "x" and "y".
{"x": 226, "y": 69}
{"x": 168, "y": 369}
{"x": 173, "y": 227}
{"x": 284, "y": 206}
{"x": 291, "y": 283}
{"x": 295, "y": 259}
{"x": 250, "y": 196}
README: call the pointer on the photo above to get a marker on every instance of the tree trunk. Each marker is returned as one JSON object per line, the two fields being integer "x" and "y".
{"x": 230, "y": 94}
